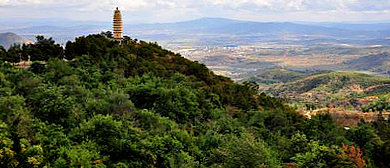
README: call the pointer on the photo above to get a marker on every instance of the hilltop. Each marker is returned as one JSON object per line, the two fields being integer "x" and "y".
{"x": 132, "y": 104}
{"x": 7, "y": 39}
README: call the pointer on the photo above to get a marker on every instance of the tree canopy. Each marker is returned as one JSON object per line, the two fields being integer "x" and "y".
{"x": 135, "y": 104}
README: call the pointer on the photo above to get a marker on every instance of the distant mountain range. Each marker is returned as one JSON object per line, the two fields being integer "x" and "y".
{"x": 7, "y": 39}
{"x": 249, "y": 31}
{"x": 227, "y": 26}
{"x": 211, "y": 29}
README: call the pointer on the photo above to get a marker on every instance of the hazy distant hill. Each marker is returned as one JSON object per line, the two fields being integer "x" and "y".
{"x": 228, "y": 26}
{"x": 357, "y": 26}
{"x": 7, "y": 39}
{"x": 377, "y": 62}
{"x": 201, "y": 29}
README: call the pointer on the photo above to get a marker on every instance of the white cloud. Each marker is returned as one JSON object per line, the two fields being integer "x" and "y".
{"x": 3, "y": 2}
{"x": 273, "y": 5}
{"x": 169, "y": 10}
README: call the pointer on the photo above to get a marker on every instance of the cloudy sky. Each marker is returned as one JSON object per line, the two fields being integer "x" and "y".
{"x": 180, "y": 10}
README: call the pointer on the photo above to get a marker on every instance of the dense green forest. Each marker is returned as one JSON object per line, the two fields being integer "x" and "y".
{"x": 101, "y": 103}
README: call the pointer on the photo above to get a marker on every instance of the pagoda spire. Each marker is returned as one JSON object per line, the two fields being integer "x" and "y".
{"x": 117, "y": 25}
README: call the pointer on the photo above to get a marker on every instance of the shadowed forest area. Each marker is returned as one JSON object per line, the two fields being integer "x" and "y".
{"x": 101, "y": 103}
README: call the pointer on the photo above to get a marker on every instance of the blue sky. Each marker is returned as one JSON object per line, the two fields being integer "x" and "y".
{"x": 180, "y": 10}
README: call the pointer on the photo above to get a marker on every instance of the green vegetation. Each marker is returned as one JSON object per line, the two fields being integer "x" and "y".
{"x": 135, "y": 104}
{"x": 348, "y": 90}
{"x": 378, "y": 105}
{"x": 276, "y": 76}
{"x": 334, "y": 81}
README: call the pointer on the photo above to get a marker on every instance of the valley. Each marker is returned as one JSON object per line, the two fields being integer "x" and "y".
{"x": 242, "y": 62}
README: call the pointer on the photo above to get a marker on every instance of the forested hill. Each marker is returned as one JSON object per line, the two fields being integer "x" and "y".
{"x": 101, "y": 103}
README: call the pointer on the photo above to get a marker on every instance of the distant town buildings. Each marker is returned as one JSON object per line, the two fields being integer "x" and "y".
{"x": 117, "y": 25}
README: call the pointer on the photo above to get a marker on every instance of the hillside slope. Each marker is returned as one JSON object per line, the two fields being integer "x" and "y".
{"x": 332, "y": 82}
{"x": 279, "y": 76}
{"x": 377, "y": 62}
{"x": 349, "y": 91}
{"x": 135, "y": 104}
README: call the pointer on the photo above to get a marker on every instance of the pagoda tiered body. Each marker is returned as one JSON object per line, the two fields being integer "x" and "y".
{"x": 118, "y": 25}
